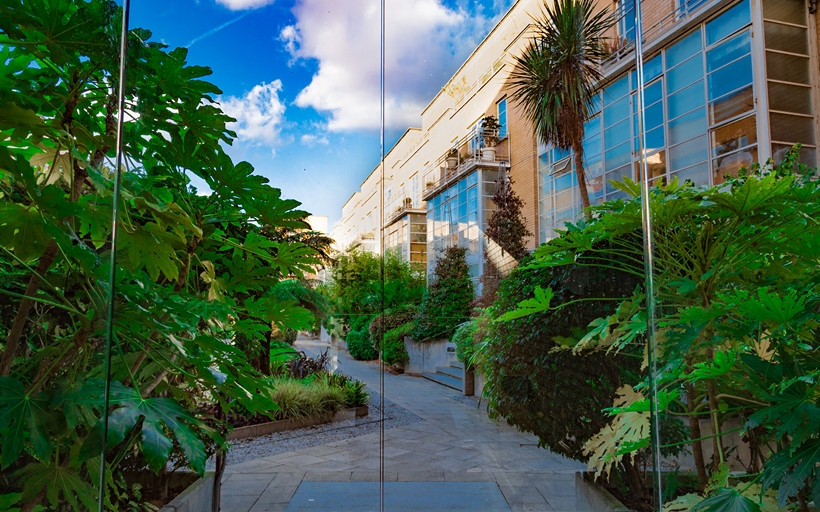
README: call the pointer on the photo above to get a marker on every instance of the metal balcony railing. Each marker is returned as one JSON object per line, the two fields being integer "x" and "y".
{"x": 399, "y": 205}
{"x": 467, "y": 154}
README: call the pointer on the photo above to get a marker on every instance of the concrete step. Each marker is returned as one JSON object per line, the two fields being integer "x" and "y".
{"x": 456, "y": 373}
{"x": 457, "y": 364}
{"x": 444, "y": 380}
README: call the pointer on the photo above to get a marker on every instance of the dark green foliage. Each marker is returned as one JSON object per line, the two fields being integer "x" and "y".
{"x": 507, "y": 226}
{"x": 558, "y": 396}
{"x": 360, "y": 346}
{"x": 391, "y": 319}
{"x": 356, "y": 394}
{"x": 447, "y": 300}
{"x": 394, "y": 352}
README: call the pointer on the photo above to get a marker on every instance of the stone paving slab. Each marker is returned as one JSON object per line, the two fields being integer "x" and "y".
{"x": 454, "y": 444}
{"x": 398, "y": 497}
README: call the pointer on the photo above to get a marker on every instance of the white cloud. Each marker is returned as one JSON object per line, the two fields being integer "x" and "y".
{"x": 425, "y": 43}
{"x": 313, "y": 140}
{"x": 241, "y": 5}
{"x": 259, "y": 114}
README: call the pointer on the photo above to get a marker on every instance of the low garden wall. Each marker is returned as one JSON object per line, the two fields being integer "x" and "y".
{"x": 425, "y": 356}
{"x": 592, "y": 497}
{"x": 280, "y": 426}
{"x": 198, "y": 497}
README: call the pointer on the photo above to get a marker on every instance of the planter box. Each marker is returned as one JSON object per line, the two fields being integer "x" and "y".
{"x": 591, "y": 497}
{"x": 425, "y": 356}
{"x": 198, "y": 497}
{"x": 292, "y": 424}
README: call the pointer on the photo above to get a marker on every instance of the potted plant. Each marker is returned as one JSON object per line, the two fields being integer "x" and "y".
{"x": 452, "y": 158}
{"x": 489, "y": 132}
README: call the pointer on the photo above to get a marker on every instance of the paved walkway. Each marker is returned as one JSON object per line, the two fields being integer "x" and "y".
{"x": 453, "y": 443}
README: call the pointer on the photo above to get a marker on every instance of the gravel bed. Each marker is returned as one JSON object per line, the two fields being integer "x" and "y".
{"x": 472, "y": 401}
{"x": 243, "y": 450}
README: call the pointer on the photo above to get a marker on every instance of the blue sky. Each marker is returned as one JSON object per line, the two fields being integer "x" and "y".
{"x": 302, "y": 77}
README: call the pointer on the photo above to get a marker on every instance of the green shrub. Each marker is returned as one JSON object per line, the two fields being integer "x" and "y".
{"x": 300, "y": 398}
{"x": 393, "y": 351}
{"x": 558, "y": 396}
{"x": 463, "y": 339}
{"x": 391, "y": 319}
{"x": 360, "y": 347}
{"x": 355, "y": 394}
{"x": 447, "y": 300}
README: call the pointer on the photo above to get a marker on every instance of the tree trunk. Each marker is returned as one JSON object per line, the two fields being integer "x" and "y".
{"x": 694, "y": 433}
{"x": 578, "y": 151}
{"x": 264, "y": 364}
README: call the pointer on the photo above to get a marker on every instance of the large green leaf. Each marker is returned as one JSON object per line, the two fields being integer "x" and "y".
{"x": 152, "y": 248}
{"x": 23, "y": 231}
{"x": 727, "y": 500}
{"x": 24, "y": 417}
{"x": 790, "y": 470}
{"x": 160, "y": 416}
{"x": 62, "y": 485}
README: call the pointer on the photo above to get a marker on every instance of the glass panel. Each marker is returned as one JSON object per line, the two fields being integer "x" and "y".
{"x": 729, "y": 51}
{"x": 617, "y": 156}
{"x": 788, "y": 11}
{"x": 698, "y": 175}
{"x": 790, "y": 98}
{"x": 786, "y": 128}
{"x": 617, "y": 175}
{"x": 730, "y": 77}
{"x": 729, "y": 165}
{"x": 731, "y": 105}
{"x": 728, "y": 22}
{"x": 688, "y": 153}
{"x": 788, "y": 68}
{"x": 683, "y": 49}
{"x": 652, "y": 69}
{"x": 786, "y": 38}
{"x": 653, "y": 92}
{"x": 686, "y": 100}
{"x": 617, "y": 89}
{"x": 733, "y": 136}
{"x": 685, "y": 74}
{"x": 617, "y": 134}
{"x": 807, "y": 155}
{"x": 688, "y": 126}
{"x": 617, "y": 111}
{"x": 654, "y": 139}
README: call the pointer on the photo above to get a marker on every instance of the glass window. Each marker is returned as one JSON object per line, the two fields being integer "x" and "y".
{"x": 618, "y": 134}
{"x": 686, "y": 100}
{"x": 730, "y": 78}
{"x": 732, "y": 163}
{"x": 731, "y": 105}
{"x": 728, "y": 22}
{"x": 652, "y": 69}
{"x": 618, "y": 156}
{"x": 788, "y": 128}
{"x": 653, "y": 92}
{"x": 688, "y": 126}
{"x": 733, "y": 136}
{"x": 729, "y": 51}
{"x": 688, "y": 153}
{"x": 683, "y": 49}
{"x": 617, "y": 89}
{"x": 788, "y": 68}
{"x": 592, "y": 126}
{"x": 698, "y": 175}
{"x": 501, "y": 107}
{"x": 789, "y": 11}
{"x": 786, "y": 38}
{"x": 685, "y": 74}
{"x": 617, "y": 175}
{"x": 593, "y": 166}
{"x": 616, "y": 111}
{"x": 592, "y": 146}
{"x": 790, "y": 98}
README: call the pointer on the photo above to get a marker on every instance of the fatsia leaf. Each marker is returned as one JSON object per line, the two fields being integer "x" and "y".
{"x": 62, "y": 485}
{"x": 773, "y": 307}
{"x": 626, "y": 434}
{"x": 157, "y": 414}
{"x": 727, "y": 500}
{"x": 23, "y": 416}
{"x": 23, "y": 231}
{"x": 790, "y": 470}
{"x": 7, "y": 500}
{"x": 790, "y": 409}
{"x": 538, "y": 304}
{"x": 149, "y": 247}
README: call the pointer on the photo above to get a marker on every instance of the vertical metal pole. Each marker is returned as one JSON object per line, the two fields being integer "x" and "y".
{"x": 649, "y": 266}
{"x": 381, "y": 260}
{"x": 112, "y": 273}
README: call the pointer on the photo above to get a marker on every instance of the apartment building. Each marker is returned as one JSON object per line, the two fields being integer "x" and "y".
{"x": 727, "y": 83}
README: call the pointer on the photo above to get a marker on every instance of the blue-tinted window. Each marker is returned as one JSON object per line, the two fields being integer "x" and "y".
{"x": 616, "y": 90}
{"x": 688, "y": 153}
{"x": 728, "y": 22}
{"x": 686, "y": 100}
{"x": 683, "y": 75}
{"x": 729, "y": 51}
{"x": 730, "y": 78}
{"x": 502, "y": 118}
{"x": 683, "y": 49}
{"x": 688, "y": 126}
{"x": 616, "y": 112}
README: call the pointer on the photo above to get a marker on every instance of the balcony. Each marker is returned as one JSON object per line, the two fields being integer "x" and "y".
{"x": 622, "y": 38}
{"x": 398, "y": 207}
{"x": 463, "y": 158}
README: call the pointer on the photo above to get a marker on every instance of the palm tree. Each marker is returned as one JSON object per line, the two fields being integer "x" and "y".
{"x": 557, "y": 75}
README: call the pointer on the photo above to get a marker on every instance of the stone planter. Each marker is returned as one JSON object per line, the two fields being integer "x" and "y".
{"x": 263, "y": 429}
{"x": 591, "y": 497}
{"x": 425, "y": 356}
{"x": 488, "y": 154}
{"x": 198, "y": 497}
